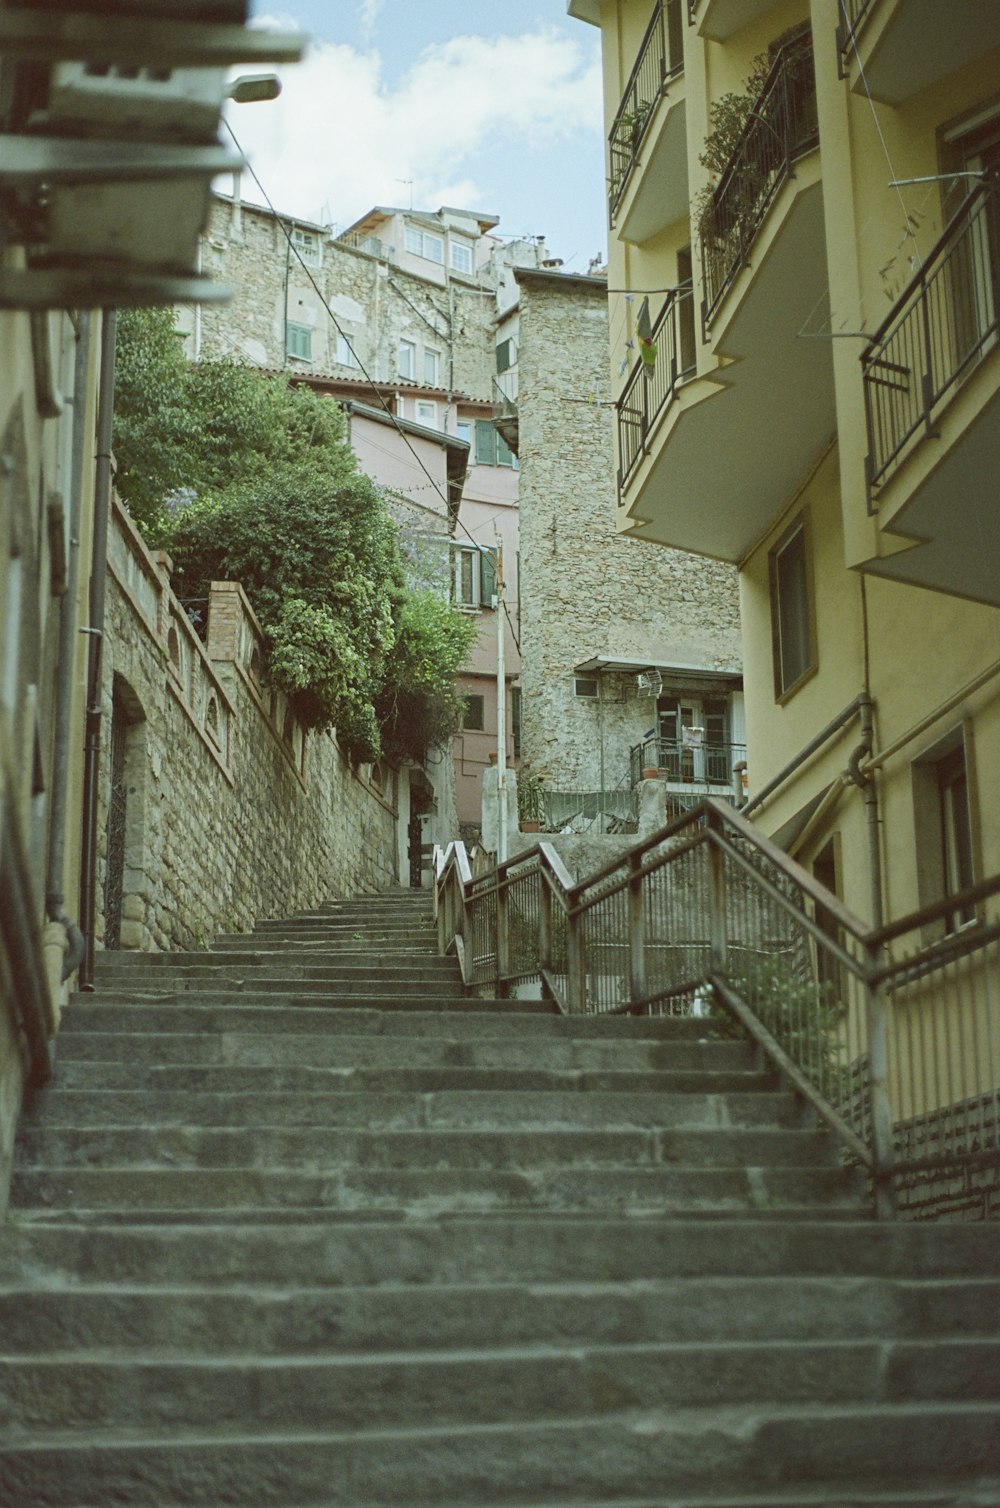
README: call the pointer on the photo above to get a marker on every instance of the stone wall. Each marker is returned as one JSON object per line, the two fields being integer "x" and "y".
{"x": 232, "y": 812}
{"x": 376, "y": 305}
{"x": 586, "y": 590}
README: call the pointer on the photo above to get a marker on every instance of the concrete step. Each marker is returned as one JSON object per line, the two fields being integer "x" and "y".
{"x": 475, "y": 1250}
{"x": 311, "y": 1149}
{"x": 693, "y": 1450}
{"x": 433, "y": 1192}
{"x": 319, "y": 1049}
{"x": 342, "y": 1391}
{"x": 171, "y": 1320}
{"x": 321, "y": 1100}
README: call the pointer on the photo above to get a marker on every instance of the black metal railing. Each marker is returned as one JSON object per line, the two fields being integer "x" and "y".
{"x": 650, "y": 388}
{"x": 661, "y": 58}
{"x": 852, "y": 14}
{"x": 692, "y": 6}
{"x": 781, "y": 127}
{"x": 940, "y": 328}
{"x": 707, "y": 764}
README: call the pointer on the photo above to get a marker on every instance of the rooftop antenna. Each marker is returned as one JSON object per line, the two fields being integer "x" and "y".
{"x": 409, "y": 183}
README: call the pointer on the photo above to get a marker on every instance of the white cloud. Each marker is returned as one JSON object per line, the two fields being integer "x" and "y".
{"x": 341, "y": 138}
{"x": 369, "y": 16}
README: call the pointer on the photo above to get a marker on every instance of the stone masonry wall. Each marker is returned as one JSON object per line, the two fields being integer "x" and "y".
{"x": 586, "y": 590}
{"x": 232, "y": 812}
{"x": 376, "y": 305}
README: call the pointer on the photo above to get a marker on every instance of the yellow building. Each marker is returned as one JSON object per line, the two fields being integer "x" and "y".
{"x": 804, "y": 202}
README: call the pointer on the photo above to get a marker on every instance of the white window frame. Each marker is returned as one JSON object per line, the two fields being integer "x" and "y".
{"x": 410, "y": 347}
{"x": 465, "y": 248}
{"x": 463, "y": 430}
{"x": 307, "y": 244}
{"x": 424, "y": 243}
{"x": 432, "y": 367}
{"x": 426, "y": 413}
{"x": 465, "y": 578}
{"x": 346, "y": 354}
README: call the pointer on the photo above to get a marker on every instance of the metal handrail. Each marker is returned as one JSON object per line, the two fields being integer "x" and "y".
{"x": 710, "y": 907}
{"x": 944, "y": 322}
{"x": 650, "y": 389}
{"x": 660, "y": 59}
{"x": 781, "y": 127}
{"x": 702, "y": 764}
{"x": 853, "y": 13}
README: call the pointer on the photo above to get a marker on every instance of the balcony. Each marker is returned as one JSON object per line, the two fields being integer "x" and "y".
{"x": 900, "y": 47}
{"x": 651, "y": 389}
{"x": 691, "y": 770}
{"x": 781, "y": 128}
{"x": 505, "y": 420}
{"x": 646, "y": 195}
{"x": 718, "y": 20}
{"x": 932, "y": 404}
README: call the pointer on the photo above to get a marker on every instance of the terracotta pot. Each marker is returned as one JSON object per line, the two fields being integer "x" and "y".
{"x": 531, "y": 827}
{"x": 650, "y": 772}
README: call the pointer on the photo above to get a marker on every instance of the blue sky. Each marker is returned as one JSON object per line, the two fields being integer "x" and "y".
{"x": 464, "y": 102}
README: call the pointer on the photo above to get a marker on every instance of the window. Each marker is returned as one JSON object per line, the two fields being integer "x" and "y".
{"x": 943, "y": 824}
{"x": 515, "y": 719}
{"x": 298, "y": 342}
{"x": 432, "y": 367}
{"x": 694, "y": 738}
{"x": 506, "y": 355}
{"x": 491, "y": 448}
{"x": 427, "y": 413}
{"x": 306, "y": 243}
{"x": 473, "y": 576}
{"x": 423, "y": 244}
{"x": 407, "y": 359}
{"x": 461, "y": 256}
{"x": 463, "y": 431}
{"x": 473, "y": 714}
{"x": 586, "y": 686}
{"x": 791, "y": 609}
{"x": 346, "y": 354}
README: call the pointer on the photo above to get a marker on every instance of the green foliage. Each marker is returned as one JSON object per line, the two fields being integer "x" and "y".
{"x": 530, "y": 796}
{"x": 243, "y": 477}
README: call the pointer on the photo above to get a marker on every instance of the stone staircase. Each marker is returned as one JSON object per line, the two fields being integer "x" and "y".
{"x": 299, "y": 1223}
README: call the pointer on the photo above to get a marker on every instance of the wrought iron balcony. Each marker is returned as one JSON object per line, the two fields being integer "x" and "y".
{"x": 853, "y": 13}
{"x": 651, "y": 388}
{"x": 661, "y": 58}
{"x": 692, "y": 6}
{"x": 505, "y": 418}
{"x": 707, "y": 767}
{"x": 781, "y": 127}
{"x": 945, "y": 322}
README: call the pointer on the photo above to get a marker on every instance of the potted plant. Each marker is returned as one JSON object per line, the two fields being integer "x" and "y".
{"x": 530, "y": 801}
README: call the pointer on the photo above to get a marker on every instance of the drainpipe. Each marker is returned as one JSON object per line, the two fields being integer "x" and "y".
{"x": 98, "y": 578}
{"x": 865, "y": 781}
{"x": 54, "y": 894}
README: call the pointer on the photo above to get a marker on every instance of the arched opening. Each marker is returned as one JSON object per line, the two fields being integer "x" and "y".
{"x": 125, "y": 803}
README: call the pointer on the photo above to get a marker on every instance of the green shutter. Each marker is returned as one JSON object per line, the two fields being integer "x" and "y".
{"x": 487, "y": 577}
{"x": 505, "y": 456}
{"x": 486, "y": 443}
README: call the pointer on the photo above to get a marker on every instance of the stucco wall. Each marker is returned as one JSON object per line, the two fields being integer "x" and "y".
{"x": 232, "y": 813}
{"x": 585, "y": 590}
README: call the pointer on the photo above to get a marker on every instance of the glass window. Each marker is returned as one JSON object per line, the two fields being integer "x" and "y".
{"x": 791, "y": 608}
{"x": 427, "y": 414}
{"x": 461, "y": 256}
{"x": 473, "y": 713}
{"x": 422, "y": 243}
{"x": 306, "y": 243}
{"x": 346, "y": 354}
{"x": 432, "y": 367}
{"x": 463, "y": 431}
{"x": 407, "y": 359}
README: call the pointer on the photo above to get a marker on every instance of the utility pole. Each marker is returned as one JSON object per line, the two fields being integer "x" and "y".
{"x": 501, "y": 713}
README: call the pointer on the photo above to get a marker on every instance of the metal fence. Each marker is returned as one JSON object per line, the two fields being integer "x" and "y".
{"x": 701, "y": 764}
{"x": 661, "y": 58}
{"x": 893, "y": 1036}
{"x": 781, "y": 127}
{"x": 939, "y": 329}
{"x": 650, "y": 388}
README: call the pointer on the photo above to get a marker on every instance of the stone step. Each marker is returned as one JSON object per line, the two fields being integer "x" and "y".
{"x": 694, "y": 1450}
{"x": 295, "y": 988}
{"x": 310, "y": 1150}
{"x": 232, "y": 1078}
{"x": 433, "y": 1192}
{"x": 468, "y": 1388}
{"x": 169, "y": 1320}
{"x": 234, "y": 1012}
{"x": 537, "y": 1249}
{"x": 576, "y": 1104}
{"x": 318, "y": 1049}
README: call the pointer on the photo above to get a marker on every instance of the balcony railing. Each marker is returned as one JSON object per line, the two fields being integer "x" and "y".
{"x": 941, "y": 327}
{"x": 692, "y": 6}
{"x": 893, "y": 1036}
{"x": 651, "y": 388}
{"x": 361, "y": 241}
{"x": 661, "y": 58}
{"x": 707, "y": 766}
{"x": 782, "y": 126}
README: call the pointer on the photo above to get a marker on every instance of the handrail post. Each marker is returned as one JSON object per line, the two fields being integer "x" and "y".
{"x": 545, "y": 940}
{"x": 882, "y": 1143}
{"x": 576, "y": 971}
{"x": 927, "y": 375}
{"x": 636, "y": 930}
{"x": 503, "y": 939}
{"x": 717, "y": 929}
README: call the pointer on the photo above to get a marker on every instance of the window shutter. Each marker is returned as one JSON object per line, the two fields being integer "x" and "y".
{"x": 486, "y": 443}
{"x": 505, "y": 456}
{"x": 487, "y": 577}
